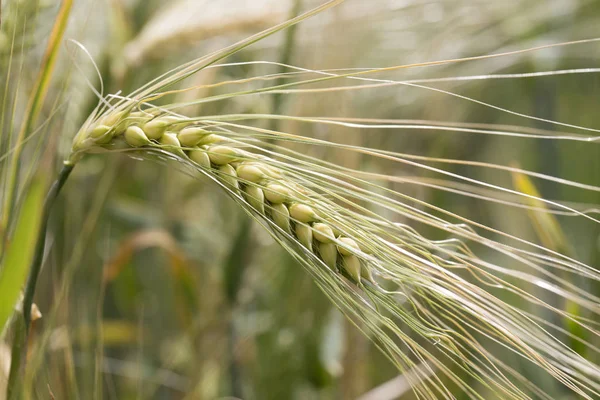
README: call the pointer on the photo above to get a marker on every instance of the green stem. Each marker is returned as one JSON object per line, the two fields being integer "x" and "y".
{"x": 22, "y": 325}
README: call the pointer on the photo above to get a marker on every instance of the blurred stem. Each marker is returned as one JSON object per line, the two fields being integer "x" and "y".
{"x": 234, "y": 367}
{"x": 18, "y": 344}
{"x": 22, "y": 325}
{"x": 285, "y": 58}
{"x": 238, "y": 258}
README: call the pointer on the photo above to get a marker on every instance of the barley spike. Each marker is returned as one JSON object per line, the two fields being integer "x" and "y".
{"x": 263, "y": 185}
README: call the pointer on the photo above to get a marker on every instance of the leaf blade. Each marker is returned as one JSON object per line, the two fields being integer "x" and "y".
{"x": 20, "y": 252}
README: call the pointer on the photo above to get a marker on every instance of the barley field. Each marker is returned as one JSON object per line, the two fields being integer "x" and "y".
{"x": 299, "y": 199}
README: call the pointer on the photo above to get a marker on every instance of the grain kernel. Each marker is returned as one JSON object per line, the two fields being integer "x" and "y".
{"x": 277, "y": 193}
{"x": 99, "y": 130}
{"x": 302, "y": 212}
{"x": 200, "y": 156}
{"x": 304, "y": 234}
{"x": 250, "y": 173}
{"x": 349, "y": 246}
{"x": 170, "y": 139}
{"x": 328, "y": 253}
{"x": 323, "y": 233}
{"x": 351, "y": 265}
{"x": 229, "y": 176}
{"x": 191, "y": 136}
{"x": 281, "y": 217}
{"x": 211, "y": 139}
{"x": 271, "y": 171}
{"x": 156, "y": 128}
{"x": 135, "y": 136}
{"x": 221, "y": 155}
{"x": 114, "y": 118}
{"x": 101, "y": 134}
{"x": 256, "y": 198}
{"x": 366, "y": 274}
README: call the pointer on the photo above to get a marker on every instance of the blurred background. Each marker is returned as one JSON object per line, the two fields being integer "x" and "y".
{"x": 156, "y": 285}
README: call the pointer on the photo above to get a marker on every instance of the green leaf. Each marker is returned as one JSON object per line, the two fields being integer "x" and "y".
{"x": 21, "y": 248}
